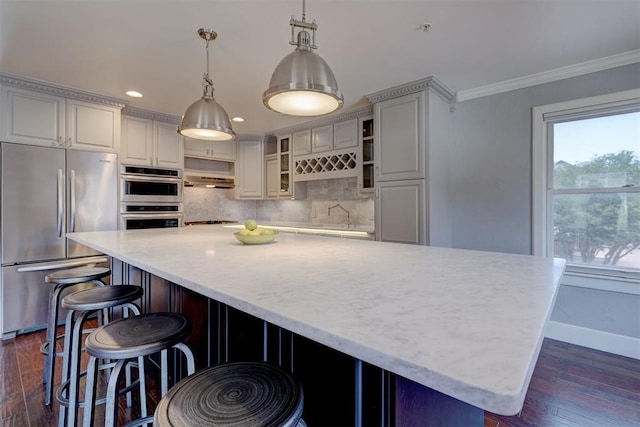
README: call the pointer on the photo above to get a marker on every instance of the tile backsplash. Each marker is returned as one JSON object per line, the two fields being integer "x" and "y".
{"x": 205, "y": 204}
{"x": 210, "y": 204}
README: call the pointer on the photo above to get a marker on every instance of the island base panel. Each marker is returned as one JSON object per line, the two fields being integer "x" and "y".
{"x": 420, "y": 406}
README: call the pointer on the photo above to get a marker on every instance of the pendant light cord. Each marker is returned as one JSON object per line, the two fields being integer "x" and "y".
{"x": 208, "y": 85}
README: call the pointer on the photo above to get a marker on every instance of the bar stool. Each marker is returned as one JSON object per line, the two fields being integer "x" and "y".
{"x": 62, "y": 279}
{"x": 80, "y": 306}
{"x": 130, "y": 338}
{"x": 252, "y": 394}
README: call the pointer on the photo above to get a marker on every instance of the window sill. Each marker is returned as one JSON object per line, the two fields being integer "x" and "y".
{"x": 611, "y": 281}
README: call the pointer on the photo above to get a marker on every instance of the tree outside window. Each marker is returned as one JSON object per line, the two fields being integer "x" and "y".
{"x": 596, "y": 202}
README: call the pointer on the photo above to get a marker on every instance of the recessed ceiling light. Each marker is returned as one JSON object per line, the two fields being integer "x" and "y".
{"x": 134, "y": 94}
{"x": 237, "y": 119}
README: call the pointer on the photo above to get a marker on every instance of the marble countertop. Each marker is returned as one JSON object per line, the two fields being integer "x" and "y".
{"x": 466, "y": 323}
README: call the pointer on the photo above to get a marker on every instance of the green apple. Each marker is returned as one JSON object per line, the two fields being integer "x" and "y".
{"x": 243, "y": 232}
{"x": 253, "y": 233}
{"x": 267, "y": 231}
{"x": 251, "y": 224}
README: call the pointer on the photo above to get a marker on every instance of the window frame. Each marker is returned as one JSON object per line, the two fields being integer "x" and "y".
{"x": 542, "y": 158}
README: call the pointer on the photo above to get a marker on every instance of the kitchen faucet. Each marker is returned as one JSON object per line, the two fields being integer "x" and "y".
{"x": 341, "y": 207}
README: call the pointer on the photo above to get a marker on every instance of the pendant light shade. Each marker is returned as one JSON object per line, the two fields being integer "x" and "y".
{"x": 205, "y": 118}
{"x": 303, "y": 83}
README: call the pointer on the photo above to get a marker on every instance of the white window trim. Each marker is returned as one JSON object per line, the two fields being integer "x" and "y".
{"x": 540, "y": 210}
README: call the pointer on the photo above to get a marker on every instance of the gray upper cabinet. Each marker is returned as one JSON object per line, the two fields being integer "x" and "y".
{"x": 250, "y": 169}
{"x": 322, "y": 139}
{"x": 46, "y": 119}
{"x": 400, "y": 151}
{"x": 345, "y": 134}
{"x": 32, "y": 118}
{"x": 301, "y": 142}
{"x": 212, "y": 150}
{"x": 148, "y": 142}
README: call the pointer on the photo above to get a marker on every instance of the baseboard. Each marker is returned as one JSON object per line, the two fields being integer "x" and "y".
{"x": 599, "y": 340}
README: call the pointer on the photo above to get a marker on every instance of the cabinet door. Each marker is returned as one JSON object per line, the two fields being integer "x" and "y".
{"x": 137, "y": 141}
{"x": 196, "y": 148}
{"x": 223, "y": 150}
{"x": 168, "y": 145}
{"x": 302, "y": 142}
{"x": 345, "y": 134}
{"x": 322, "y": 139}
{"x": 400, "y": 212}
{"x": 93, "y": 126}
{"x": 32, "y": 118}
{"x": 249, "y": 170}
{"x": 273, "y": 176}
{"x": 400, "y": 138}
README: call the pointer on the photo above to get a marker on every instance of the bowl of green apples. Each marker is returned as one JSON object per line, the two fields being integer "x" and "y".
{"x": 251, "y": 234}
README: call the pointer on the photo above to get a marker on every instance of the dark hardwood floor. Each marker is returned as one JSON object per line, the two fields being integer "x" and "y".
{"x": 571, "y": 386}
{"x": 578, "y": 387}
{"x": 22, "y": 391}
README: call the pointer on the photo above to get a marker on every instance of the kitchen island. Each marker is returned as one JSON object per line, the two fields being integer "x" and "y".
{"x": 459, "y": 330}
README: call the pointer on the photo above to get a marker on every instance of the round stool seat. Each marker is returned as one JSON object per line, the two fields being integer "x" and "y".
{"x": 138, "y": 336}
{"x": 72, "y": 276}
{"x": 234, "y": 394}
{"x": 99, "y": 298}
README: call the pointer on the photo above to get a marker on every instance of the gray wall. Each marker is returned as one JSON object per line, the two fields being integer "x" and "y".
{"x": 491, "y": 187}
{"x": 491, "y": 160}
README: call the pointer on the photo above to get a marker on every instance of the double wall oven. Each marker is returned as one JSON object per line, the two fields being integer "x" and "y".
{"x": 150, "y": 197}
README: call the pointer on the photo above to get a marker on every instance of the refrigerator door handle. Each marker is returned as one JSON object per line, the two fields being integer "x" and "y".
{"x": 73, "y": 201}
{"x": 60, "y": 201}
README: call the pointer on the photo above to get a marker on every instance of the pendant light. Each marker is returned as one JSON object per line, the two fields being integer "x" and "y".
{"x": 302, "y": 83}
{"x": 205, "y": 118}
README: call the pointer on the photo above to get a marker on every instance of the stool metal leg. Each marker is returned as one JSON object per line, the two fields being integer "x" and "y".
{"x": 74, "y": 368}
{"x": 89, "y": 395}
{"x": 111, "y": 410}
{"x": 142, "y": 388}
{"x": 62, "y": 418}
{"x": 191, "y": 365}
{"x": 50, "y": 358}
{"x": 164, "y": 373}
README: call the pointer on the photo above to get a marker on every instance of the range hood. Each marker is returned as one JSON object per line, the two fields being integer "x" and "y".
{"x": 208, "y": 173}
{"x": 206, "y": 180}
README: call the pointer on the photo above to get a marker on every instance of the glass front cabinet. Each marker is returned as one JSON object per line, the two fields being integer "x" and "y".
{"x": 367, "y": 142}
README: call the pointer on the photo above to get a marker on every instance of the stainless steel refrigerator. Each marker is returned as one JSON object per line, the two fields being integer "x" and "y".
{"x": 45, "y": 193}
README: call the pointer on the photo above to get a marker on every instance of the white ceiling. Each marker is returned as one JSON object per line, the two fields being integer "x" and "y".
{"x": 110, "y": 46}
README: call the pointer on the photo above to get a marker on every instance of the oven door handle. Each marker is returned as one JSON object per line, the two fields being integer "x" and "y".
{"x": 147, "y": 178}
{"x": 151, "y": 215}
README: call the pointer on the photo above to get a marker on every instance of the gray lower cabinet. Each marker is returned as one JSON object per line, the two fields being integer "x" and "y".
{"x": 400, "y": 211}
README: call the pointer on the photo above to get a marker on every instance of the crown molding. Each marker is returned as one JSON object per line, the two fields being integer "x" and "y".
{"x": 580, "y": 69}
{"x": 151, "y": 115}
{"x": 342, "y": 116}
{"x": 59, "y": 90}
{"x": 255, "y": 137}
{"x": 430, "y": 82}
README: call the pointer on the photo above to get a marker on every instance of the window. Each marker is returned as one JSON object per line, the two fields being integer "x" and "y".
{"x": 587, "y": 184}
